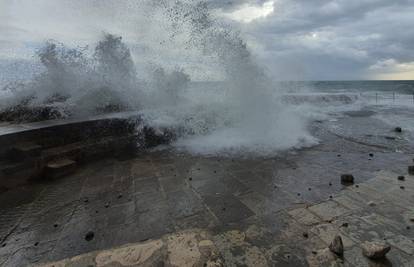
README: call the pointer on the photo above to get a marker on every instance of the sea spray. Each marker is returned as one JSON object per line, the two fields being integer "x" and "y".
{"x": 240, "y": 114}
{"x": 250, "y": 117}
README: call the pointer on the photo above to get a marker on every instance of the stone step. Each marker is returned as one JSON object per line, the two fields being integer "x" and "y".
{"x": 17, "y": 173}
{"x": 10, "y": 168}
{"x": 59, "y": 168}
{"x": 89, "y": 150}
{"x": 23, "y": 151}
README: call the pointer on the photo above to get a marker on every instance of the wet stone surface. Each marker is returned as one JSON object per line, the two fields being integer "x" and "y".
{"x": 188, "y": 210}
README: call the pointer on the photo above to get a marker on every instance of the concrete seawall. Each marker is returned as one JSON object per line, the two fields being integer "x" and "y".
{"x": 26, "y": 149}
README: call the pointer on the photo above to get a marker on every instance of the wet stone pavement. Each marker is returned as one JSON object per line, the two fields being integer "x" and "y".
{"x": 185, "y": 210}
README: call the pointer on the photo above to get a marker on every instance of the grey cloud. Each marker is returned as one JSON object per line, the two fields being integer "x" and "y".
{"x": 302, "y": 39}
{"x": 350, "y": 36}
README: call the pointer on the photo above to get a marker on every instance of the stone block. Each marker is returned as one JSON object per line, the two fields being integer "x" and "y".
{"x": 328, "y": 210}
{"x": 23, "y": 151}
{"x": 59, "y": 168}
{"x": 227, "y": 208}
{"x": 304, "y": 216}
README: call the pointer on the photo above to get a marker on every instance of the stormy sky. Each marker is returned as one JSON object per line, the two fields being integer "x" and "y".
{"x": 293, "y": 39}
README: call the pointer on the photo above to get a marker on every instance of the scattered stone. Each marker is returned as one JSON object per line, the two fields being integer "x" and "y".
{"x": 398, "y": 129}
{"x": 314, "y": 252}
{"x": 371, "y": 155}
{"x": 345, "y": 224}
{"x": 55, "y": 225}
{"x": 375, "y": 250}
{"x": 330, "y": 184}
{"x": 408, "y": 227}
{"x": 86, "y": 200}
{"x": 401, "y": 178}
{"x": 412, "y": 220}
{"x": 310, "y": 189}
{"x": 339, "y": 155}
{"x": 357, "y": 186}
{"x": 371, "y": 204}
{"x": 337, "y": 246}
{"x": 3, "y": 245}
{"x": 390, "y": 138}
{"x": 305, "y": 235}
{"x": 119, "y": 196}
{"x": 190, "y": 179}
{"x": 330, "y": 197}
{"x": 36, "y": 244}
{"x": 89, "y": 236}
{"x": 347, "y": 179}
{"x": 402, "y": 187}
{"x": 411, "y": 170}
{"x": 106, "y": 205}
{"x": 298, "y": 194}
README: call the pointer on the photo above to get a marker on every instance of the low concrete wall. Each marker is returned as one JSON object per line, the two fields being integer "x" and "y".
{"x": 78, "y": 140}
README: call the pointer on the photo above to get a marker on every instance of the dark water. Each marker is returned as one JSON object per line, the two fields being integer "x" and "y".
{"x": 399, "y": 87}
{"x": 402, "y": 87}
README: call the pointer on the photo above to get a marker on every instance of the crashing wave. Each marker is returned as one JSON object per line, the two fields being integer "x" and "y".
{"x": 245, "y": 115}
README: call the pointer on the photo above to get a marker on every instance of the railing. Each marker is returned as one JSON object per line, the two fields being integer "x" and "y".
{"x": 389, "y": 97}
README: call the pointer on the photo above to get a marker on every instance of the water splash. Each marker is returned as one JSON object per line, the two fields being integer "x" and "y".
{"x": 240, "y": 114}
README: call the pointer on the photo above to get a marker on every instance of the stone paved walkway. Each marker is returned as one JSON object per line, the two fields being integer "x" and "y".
{"x": 296, "y": 237}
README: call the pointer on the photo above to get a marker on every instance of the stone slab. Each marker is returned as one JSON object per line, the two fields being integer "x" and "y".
{"x": 328, "y": 210}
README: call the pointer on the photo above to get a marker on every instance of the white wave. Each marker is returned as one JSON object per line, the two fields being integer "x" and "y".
{"x": 241, "y": 114}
